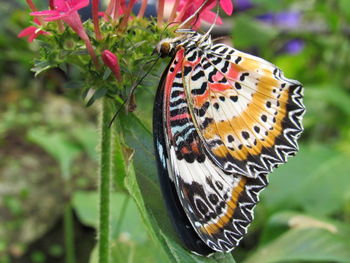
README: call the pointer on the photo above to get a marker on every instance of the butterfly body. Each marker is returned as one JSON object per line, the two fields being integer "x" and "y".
{"x": 223, "y": 120}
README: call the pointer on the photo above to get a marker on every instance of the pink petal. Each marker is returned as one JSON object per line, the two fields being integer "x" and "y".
{"x": 54, "y": 18}
{"x": 61, "y": 5}
{"x": 32, "y": 37}
{"x": 36, "y": 21}
{"x": 27, "y": 31}
{"x": 227, "y": 6}
{"x": 44, "y": 13}
{"x": 209, "y": 17}
{"x": 210, "y": 5}
{"x": 82, "y": 3}
{"x": 79, "y": 5}
{"x": 69, "y": 5}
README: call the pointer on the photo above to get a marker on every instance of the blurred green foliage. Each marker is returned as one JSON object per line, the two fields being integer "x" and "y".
{"x": 304, "y": 214}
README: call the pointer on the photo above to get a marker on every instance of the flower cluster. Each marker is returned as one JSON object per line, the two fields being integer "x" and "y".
{"x": 186, "y": 13}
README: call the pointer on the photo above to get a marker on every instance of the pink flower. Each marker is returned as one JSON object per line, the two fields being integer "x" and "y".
{"x": 67, "y": 10}
{"x": 32, "y": 32}
{"x": 111, "y": 61}
{"x": 188, "y": 8}
{"x": 226, "y": 5}
{"x": 61, "y": 9}
{"x": 114, "y": 10}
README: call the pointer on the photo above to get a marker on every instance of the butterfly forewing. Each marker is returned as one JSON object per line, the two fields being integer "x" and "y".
{"x": 247, "y": 113}
{"x": 227, "y": 119}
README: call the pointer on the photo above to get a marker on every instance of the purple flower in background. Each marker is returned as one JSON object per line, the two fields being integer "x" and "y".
{"x": 287, "y": 19}
{"x": 293, "y": 46}
{"x": 242, "y": 5}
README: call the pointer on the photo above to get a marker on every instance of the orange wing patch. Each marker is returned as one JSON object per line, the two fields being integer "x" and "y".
{"x": 240, "y": 107}
{"x": 250, "y": 121}
{"x": 222, "y": 220}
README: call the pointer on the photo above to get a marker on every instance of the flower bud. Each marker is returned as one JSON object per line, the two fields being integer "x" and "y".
{"x": 111, "y": 61}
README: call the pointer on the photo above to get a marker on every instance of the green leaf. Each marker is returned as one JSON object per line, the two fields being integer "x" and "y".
{"x": 335, "y": 96}
{"x": 310, "y": 239}
{"x": 271, "y": 5}
{"x": 106, "y": 74}
{"x": 84, "y": 93}
{"x": 73, "y": 84}
{"x": 292, "y": 65}
{"x": 85, "y": 204}
{"x": 58, "y": 145}
{"x": 41, "y": 66}
{"x": 64, "y": 67}
{"x": 122, "y": 161}
{"x": 345, "y": 7}
{"x": 316, "y": 180}
{"x": 98, "y": 94}
{"x": 86, "y": 136}
{"x": 126, "y": 250}
{"x": 249, "y": 32}
{"x": 144, "y": 188}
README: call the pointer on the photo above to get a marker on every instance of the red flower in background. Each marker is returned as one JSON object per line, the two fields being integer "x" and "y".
{"x": 32, "y": 32}
{"x": 61, "y": 9}
{"x": 67, "y": 11}
{"x": 226, "y": 5}
{"x": 186, "y": 8}
{"x": 189, "y": 12}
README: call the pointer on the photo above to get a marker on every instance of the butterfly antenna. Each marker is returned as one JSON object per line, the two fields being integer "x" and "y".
{"x": 168, "y": 25}
{"x": 116, "y": 113}
{"x": 133, "y": 88}
{"x": 195, "y": 21}
{"x": 194, "y": 14}
{"x": 216, "y": 17}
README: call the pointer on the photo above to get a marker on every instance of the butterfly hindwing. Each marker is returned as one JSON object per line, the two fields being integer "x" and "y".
{"x": 174, "y": 206}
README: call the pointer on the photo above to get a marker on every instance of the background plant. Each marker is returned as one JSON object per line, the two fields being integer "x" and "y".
{"x": 304, "y": 213}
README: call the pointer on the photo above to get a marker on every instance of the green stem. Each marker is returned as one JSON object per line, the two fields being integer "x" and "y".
{"x": 105, "y": 184}
{"x": 68, "y": 234}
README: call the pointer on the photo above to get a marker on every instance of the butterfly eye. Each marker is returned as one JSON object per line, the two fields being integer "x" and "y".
{"x": 165, "y": 49}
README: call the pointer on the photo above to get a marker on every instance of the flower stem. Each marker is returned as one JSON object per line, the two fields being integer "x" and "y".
{"x": 160, "y": 12}
{"x": 124, "y": 22}
{"x": 95, "y": 20}
{"x": 105, "y": 183}
{"x": 34, "y": 9}
{"x": 31, "y": 5}
{"x": 142, "y": 8}
{"x": 173, "y": 11}
{"x": 68, "y": 234}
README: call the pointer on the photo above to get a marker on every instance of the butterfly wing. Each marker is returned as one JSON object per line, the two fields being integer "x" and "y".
{"x": 247, "y": 114}
{"x": 217, "y": 204}
{"x": 178, "y": 215}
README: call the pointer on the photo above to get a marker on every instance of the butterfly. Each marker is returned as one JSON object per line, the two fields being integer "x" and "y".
{"x": 222, "y": 120}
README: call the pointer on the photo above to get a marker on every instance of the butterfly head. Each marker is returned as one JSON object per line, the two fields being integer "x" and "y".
{"x": 165, "y": 47}
{"x": 169, "y": 46}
